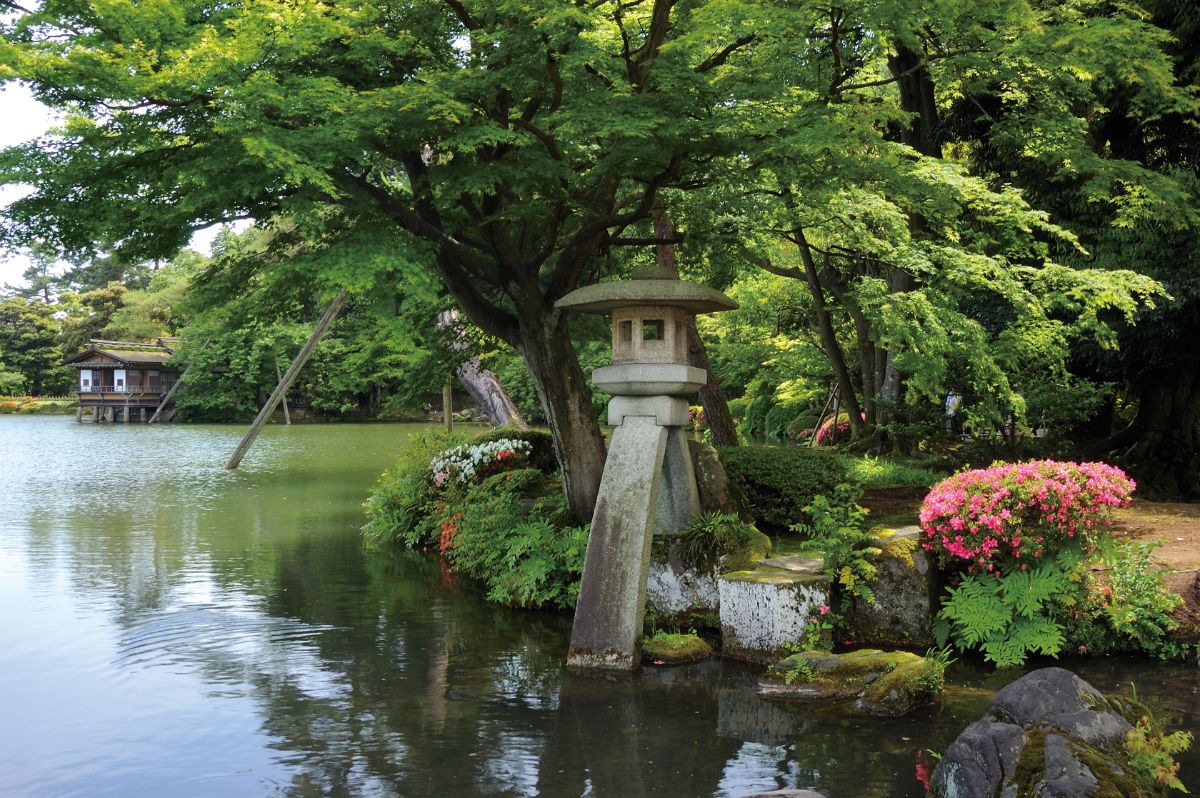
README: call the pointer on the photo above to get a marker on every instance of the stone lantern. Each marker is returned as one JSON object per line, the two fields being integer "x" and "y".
{"x": 648, "y": 485}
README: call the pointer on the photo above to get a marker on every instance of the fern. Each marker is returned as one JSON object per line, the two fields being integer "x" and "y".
{"x": 1007, "y": 617}
{"x": 847, "y": 549}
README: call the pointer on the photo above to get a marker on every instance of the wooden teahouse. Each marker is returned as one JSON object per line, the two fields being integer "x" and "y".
{"x": 121, "y": 380}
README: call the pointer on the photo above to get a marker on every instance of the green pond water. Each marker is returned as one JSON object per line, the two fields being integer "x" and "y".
{"x": 168, "y": 628}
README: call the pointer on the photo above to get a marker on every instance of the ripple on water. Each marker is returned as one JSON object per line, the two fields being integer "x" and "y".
{"x": 229, "y": 643}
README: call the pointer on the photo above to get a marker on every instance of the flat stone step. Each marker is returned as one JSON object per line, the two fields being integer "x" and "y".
{"x": 797, "y": 563}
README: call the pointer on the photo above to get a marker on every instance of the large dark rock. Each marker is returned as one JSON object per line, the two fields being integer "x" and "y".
{"x": 904, "y": 588}
{"x": 1049, "y": 735}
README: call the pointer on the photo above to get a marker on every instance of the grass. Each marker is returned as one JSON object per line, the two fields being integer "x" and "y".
{"x": 881, "y": 472}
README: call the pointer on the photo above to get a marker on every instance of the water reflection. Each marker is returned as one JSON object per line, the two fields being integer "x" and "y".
{"x": 169, "y": 628}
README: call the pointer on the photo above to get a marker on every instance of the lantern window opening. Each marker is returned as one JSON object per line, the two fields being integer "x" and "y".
{"x": 653, "y": 330}
{"x": 625, "y": 331}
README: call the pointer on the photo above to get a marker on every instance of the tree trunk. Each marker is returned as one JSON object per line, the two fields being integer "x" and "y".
{"x": 716, "y": 406}
{"x": 918, "y": 99}
{"x": 483, "y": 386}
{"x": 831, "y": 279}
{"x": 545, "y": 345}
{"x": 829, "y": 341}
{"x": 489, "y": 395}
{"x": 1164, "y": 456}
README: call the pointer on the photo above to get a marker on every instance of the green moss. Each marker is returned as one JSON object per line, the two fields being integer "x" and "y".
{"x": 888, "y": 683}
{"x": 909, "y": 681}
{"x": 1114, "y": 782}
{"x": 674, "y": 649}
{"x": 744, "y": 558}
{"x": 767, "y": 575}
{"x": 1031, "y": 764}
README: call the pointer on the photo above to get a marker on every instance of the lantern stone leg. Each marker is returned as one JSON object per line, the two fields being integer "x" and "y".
{"x": 612, "y": 596}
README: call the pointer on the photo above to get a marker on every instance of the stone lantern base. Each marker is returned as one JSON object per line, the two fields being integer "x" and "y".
{"x": 648, "y": 487}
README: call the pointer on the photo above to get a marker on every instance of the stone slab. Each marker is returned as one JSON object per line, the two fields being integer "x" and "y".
{"x": 796, "y": 563}
{"x": 649, "y": 379}
{"x": 671, "y": 591}
{"x": 766, "y": 609}
{"x": 905, "y": 590}
{"x": 667, "y": 411}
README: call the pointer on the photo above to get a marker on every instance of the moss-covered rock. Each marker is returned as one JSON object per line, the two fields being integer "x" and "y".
{"x": 905, "y": 588}
{"x": 1052, "y": 734}
{"x": 664, "y": 648}
{"x": 882, "y": 683}
{"x": 718, "y": 494}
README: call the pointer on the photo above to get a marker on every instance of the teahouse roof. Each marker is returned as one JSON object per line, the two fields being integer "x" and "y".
{"x": 649, "y": 286}
{"x": 122, "y": 353}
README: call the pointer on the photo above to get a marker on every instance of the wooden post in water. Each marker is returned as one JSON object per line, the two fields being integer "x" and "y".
{"x": 289, "y": 377}
{"x": 158, "y": 410}
{"x": 287, "y": 417}
{"x": 448, "y": 405}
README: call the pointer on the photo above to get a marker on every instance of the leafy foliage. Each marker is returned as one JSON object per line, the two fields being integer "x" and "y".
{"x": 29, "y": 346}
{"x": 506, "y": 525}
{"x": 1007, "y": 616}
{"x": 514, "y": 534}
{"x": 399, "y": 509}
{"x": 1152, "y": 753}
{"x": 711, "y": 536}
{"x": 1125, "y": 605}
{"x": 847, "y": 549}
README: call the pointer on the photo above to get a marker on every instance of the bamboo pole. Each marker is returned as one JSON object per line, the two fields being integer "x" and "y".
{"x": 175, "y": 387}
{"x": 289, "y": 377}
{"x": 287, "y": 417}
{"x": 448, "y": 405}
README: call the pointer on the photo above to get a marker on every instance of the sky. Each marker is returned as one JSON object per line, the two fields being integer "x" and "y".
{"x": 24, "y": 119}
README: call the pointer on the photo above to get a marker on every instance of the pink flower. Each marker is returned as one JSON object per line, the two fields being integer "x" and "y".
{"x": 823, "y": 609}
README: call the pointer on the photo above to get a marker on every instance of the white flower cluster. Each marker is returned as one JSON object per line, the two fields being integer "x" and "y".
{"x": 464, "y": 462}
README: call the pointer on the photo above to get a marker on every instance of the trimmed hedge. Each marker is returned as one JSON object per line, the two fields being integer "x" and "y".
{"x": 779, "y": 481}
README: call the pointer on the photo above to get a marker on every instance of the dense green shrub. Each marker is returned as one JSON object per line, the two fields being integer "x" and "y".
{"x": 779, "y": 481}
{"x": 1126, "y": 607}
{"x": 541, "y": 443}
{"x": 513, "y": 532}
{"x": 398, "y": 509}
{"x": 496, "y": 513}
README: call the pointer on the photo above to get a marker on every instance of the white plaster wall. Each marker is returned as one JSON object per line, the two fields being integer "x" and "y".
{"x": 671, "y": 593}
{"x": 761, "y": 617}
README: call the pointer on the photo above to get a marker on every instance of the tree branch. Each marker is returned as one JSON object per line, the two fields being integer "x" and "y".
{"x": 539, "y": 134}
{"x": 721, "y": 56}
{"x": 911, "y": 70}
{"x": 646, "y": 242}
{"x": 463, "y": 15}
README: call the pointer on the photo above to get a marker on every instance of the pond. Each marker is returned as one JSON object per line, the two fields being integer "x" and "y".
{"x": 171, "y": 628}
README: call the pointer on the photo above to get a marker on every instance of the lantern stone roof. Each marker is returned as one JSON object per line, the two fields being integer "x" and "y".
{"x": 647, "y": 286}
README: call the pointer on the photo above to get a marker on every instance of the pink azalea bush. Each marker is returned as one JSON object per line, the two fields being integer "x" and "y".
{"x": 1010, "y": 515}
{"x": 834, "y": 430}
